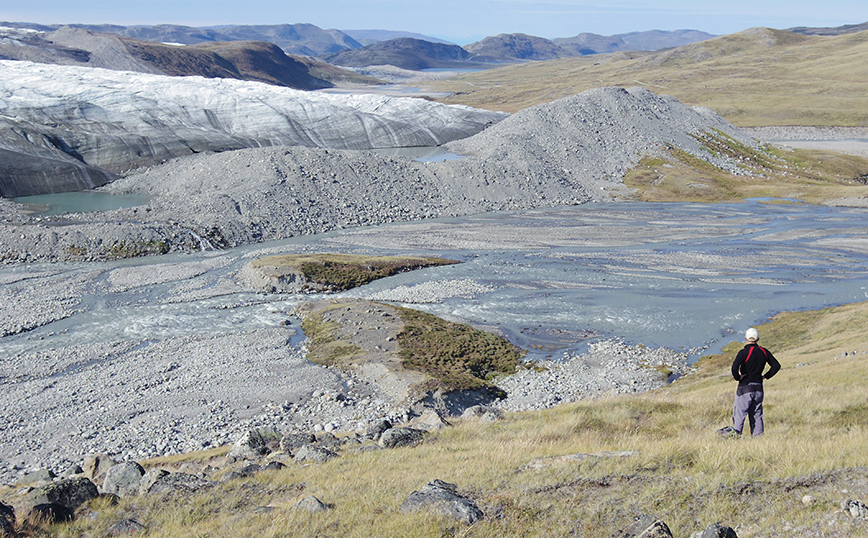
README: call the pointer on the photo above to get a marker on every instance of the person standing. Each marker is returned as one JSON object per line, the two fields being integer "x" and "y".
{"x": 747, "y": 369}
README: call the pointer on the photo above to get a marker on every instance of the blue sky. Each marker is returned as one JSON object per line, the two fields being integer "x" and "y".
{"x": 461, "y": 21}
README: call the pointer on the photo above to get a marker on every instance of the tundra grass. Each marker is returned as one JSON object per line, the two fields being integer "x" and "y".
{"x": 676, "y": 467}
{"x": 754, "y": 78}
{"x": 809, "y": 176}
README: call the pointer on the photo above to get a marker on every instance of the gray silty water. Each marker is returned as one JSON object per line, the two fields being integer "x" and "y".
{"x": 676, "y": 275}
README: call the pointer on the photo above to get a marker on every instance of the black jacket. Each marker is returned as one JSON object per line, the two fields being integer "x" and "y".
{"x": 750, "y": 362}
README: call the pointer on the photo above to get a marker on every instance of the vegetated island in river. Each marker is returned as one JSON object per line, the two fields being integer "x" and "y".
{"x": 295, "y": 273}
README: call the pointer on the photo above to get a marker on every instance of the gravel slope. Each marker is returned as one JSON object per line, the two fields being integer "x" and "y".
{"x": 568, "y": 152}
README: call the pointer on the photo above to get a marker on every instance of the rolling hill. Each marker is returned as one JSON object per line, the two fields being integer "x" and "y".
{"x": 756, "y": 77}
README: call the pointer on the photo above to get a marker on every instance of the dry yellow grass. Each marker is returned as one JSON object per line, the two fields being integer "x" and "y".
{"x": 753, "y": 78}
{"x": 816, "y": 415}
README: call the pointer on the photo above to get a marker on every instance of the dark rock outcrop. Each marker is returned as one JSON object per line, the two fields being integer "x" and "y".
{"x": 49, "y": 513}
{"x": 401, "y": 437}
{"x": 715, "y": 530}
{"x": 71, "y": 493}
{"x": 404, "y": 52}
{"x": 291, "y": 442}
{"x": 7, "y": 521}
{"x": 443, "y": 498}
{"x": 125, "y": 527}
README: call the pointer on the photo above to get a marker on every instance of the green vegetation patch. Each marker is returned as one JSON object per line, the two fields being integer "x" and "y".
{"x": 456, "y": 356}
{"x": 341, "y": 272}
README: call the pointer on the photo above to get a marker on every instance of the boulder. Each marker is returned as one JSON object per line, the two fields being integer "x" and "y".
{"x": 123, "y": 479}
{"x": 71, "y": 493}
{"x": 311, "y": 504}
{"x": 401, "y": 437}
{"x": 443, "y": 498}
{"x": 48, "y": 513}
{"x": 376, "y": 429}
{"x": 159, "y": 481}
{"x": 255, "y": 443}
{"x": 95, "y": 466}
{"x": 313, "y": 454}
{"x": 430, "y": 421}
{"x": 41, "y": 475}
{"x": 290, "y": 442}
{"x": 483, "y": 413}
{"x": 646, "y": 526}
{"x": 715, "y": 530}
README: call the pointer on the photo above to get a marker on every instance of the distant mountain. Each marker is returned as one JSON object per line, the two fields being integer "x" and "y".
{"x": 586, "y": 43}
{"x": 515, "y": 47}
{"x": 404, "y": 52}
{"x": 245, "y": 60}
{"x": 369, "y": 37}
{"x": 838, "y": 30}
{"x": 298, "y": 39}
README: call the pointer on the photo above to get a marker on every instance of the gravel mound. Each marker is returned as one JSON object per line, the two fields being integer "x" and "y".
{"x": 568, "y": 152}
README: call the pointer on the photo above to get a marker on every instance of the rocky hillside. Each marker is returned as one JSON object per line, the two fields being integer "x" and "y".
{"x": 116, "y": 121}
{"x": 404, "y": 52}
{"x": 300, "y": 39}
{"x": 243, "y": 60}
{"x": 516, "y": 47}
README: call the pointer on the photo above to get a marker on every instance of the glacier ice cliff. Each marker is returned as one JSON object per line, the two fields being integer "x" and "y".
{"x": 66, "y": 128}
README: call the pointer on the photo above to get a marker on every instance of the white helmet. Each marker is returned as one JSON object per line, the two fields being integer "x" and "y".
{"x": 752, "y": 335}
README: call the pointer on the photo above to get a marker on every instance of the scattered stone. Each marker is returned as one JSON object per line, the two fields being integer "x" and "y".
{"x": 123, "y": 479}
{"x": 442, "y": 498}
{"x": 715, "y": 530}
{"x": 313, "y": 454}
{"x": 290, "y": 442}
{"x": 856, "y": 509}
{"x": 311, "y": 504}
{"x": 48, "y": 513}
{"x": 401, "y": 437}
{"x": 646, "y": 526}
{"x": 255, "y": 443}
{"x": 126, "y": 526}
{"x": 273, "y": 466}
{"x": 808, "y": 500}
{"x": 71, "y": 493}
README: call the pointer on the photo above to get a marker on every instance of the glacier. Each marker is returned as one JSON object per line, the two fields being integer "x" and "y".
{"x": 65, "y": 128}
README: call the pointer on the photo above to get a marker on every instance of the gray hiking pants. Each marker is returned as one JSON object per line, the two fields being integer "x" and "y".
{"x": 749, "y": 405}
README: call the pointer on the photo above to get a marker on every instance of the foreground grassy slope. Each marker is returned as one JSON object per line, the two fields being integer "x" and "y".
{"x": 753, "y": 78}
{"x": 817, "y": 431}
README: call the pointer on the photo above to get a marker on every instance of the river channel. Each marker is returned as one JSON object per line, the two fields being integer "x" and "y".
{"x": 683, "y": 276}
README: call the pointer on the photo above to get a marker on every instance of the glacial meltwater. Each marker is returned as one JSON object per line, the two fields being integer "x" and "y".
{"x": 682, "y": 276}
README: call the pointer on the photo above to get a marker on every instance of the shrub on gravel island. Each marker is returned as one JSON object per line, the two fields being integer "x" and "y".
{"x": 457, "y": 356}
